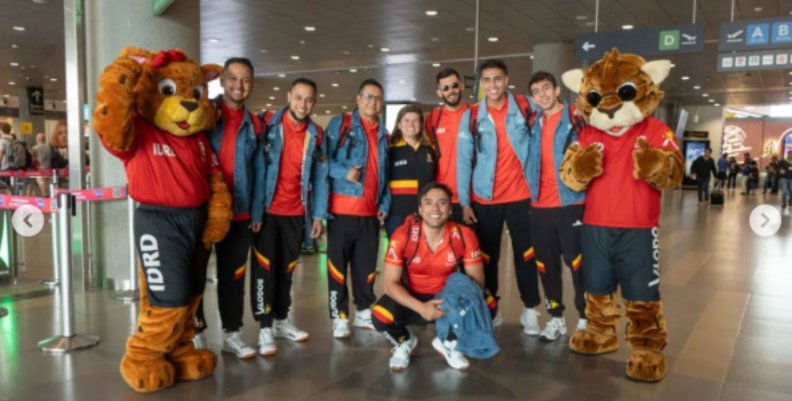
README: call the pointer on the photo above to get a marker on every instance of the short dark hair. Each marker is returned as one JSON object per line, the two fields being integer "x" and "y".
{"x": 709, "y": 149}
{"x": 447, "y": 73}
{"x": 5, "y": 128}
{"x": 540, "y": 76}
{"x": 304, "y": 81}
{"x": 493, "y": 63}
{"x": 370, "y": 82}
{"x": 434, "y": 185}
{"x": 239, "y": 60}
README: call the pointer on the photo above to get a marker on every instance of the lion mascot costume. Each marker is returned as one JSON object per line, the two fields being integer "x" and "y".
{"x": 623, "y": 159}
{"x": 149, "y": 108}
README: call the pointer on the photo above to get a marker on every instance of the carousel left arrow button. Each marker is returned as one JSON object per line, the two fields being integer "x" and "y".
{"x": 28, "y": 220}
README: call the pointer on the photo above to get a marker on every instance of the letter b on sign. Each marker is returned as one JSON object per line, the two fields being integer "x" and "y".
{"x": 669, "y": 40}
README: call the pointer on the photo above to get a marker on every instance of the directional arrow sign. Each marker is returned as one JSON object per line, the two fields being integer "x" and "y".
{"x": 35, "y": 98}
{"x": 646, "y": 42}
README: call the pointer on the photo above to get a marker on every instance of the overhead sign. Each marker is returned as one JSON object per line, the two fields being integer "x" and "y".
{"x": 25, "y": 127}
{"x": 35, "y": 98}
{"x": 755, "y": 34}
{"x": 756, "y": 60}
{"x": 646, "y": 42}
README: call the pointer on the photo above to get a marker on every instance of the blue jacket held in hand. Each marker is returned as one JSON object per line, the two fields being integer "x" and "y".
{"x": 466, "y": 314}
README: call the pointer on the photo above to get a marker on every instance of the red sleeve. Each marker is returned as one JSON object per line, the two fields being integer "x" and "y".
{"x": 584, "y": 139}
{"x": 394, "y": 254}
{"x": 661, "y": 136}
{"x": 472, "y": 250}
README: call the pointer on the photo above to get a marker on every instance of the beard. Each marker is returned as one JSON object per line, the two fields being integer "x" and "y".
{"x": 295, "y": 118}
{"x": 450, "y": 103}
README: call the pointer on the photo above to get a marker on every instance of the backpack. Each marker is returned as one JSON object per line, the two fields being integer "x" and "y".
{"x": 431, "y": 128}
{"x": 414, "y": 240}
{"x": 56, "y": 159}
{"x": 16, "y": 156}
{"x": 343, "y": 135}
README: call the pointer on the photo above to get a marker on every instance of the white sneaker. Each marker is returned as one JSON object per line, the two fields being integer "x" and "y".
{"x": 555, "y": 328}
{"x": 581, "y": 324}
{"x": 341, "y": 328}
{"x": 286, "y": 329}
{"x": 233, "y": 344}
{"x": 363, "y": 319}
{"x": 497, "y": 321}
{"x": 199, "y": 341}
{"x": 530, "y": 321}
{"x": 266, "y": 344}
{"x": 454, "y": 358}
{"x": 400, "y": 358}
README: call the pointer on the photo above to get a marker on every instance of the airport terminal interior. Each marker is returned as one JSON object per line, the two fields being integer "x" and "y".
{"x": 725, "y": 271}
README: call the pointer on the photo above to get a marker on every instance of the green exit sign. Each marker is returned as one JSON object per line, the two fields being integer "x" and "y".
{"x": 158, "y": 6}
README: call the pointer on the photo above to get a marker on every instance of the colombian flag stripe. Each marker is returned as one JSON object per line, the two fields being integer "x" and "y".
{"x": 576, "y": 263}
{"x": 402, "y": 184}
{"x": 371, "y": 277}
{"x": 540, "y": 266}
{"x": 262, "y": 260}
{"x": 490, "y": 301}
{"x": 382, "y": 314}
{"x": 239, "y": 273}
{"x": 528, "y": 254}
{"x": 334, "y": 273}
{"x": 291, "y": 266}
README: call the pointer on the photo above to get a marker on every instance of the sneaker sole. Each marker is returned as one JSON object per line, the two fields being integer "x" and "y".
{"x": 440, "y": 351}
{"x": 343, "y": 336}
{"x": 365, "y": 326}
{"x": 532, "y": 333}
{"x": 246, "y": 356}
{"x": 546, "y": 339}
{"x": 296, "y": 340}
{"x": 268, "y": 353}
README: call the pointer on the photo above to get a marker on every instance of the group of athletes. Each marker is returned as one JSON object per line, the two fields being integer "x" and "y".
{"x": 454, "y": 177}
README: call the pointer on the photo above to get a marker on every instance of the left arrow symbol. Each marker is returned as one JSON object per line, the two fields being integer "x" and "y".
{"x": 588, "y": 46}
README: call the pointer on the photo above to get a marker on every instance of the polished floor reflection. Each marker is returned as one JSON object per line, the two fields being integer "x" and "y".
{"x": 728, "y": 295}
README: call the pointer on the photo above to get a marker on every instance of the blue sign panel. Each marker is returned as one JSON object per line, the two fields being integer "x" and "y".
{"x": 757, "y": 34}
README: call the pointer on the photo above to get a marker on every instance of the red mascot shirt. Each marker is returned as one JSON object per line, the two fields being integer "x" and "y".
{"x": 167, "y": 170}
{"x": 616, "y": 199}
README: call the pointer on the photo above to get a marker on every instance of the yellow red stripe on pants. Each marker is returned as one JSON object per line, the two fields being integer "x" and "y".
{"x": 527, "y": 255}
{"x": 262, "y": 260}
{"x": 291, "y": 266}
{"x": 334, "y": 273}
{"x": 371, "y": 277}
{"x": 490, "y": 300}
{"x": 239, "y": 273}
{"x": 381, "y": 314}
{"x": 404, "y": 187}
{"x": 540, "y": 266}
{"x": 577, "y": 262}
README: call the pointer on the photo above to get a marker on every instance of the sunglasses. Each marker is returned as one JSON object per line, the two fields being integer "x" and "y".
{"x": 446, "y": 88}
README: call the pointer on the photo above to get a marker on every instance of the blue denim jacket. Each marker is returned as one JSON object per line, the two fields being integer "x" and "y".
{"x": 483, "y": 174}
{"x": 313, "y": 180}
{"x": 568, "y": 196}
{"x": 466, "y": 314}
{"x": 354, "y": 152}
{"x": 248, "y": 196}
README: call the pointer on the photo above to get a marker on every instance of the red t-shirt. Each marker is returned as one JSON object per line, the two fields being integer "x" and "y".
{"x": 232, "y": 120}
{"x": 168, "y": 170}
{"x": 510, "y": 184}
{"x": 365, "y": 205}
{"x": 428, "y": 272}
{"x": 288, "y": 190}
{"x": 447, "y": 132}
{"x": 548, "y": 184}
{"x": 616, "y": 199}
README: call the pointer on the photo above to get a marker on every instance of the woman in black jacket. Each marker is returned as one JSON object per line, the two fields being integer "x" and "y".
{"x": 412, "y": 165}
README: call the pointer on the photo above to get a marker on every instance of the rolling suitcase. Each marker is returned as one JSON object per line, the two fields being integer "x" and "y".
{"x": 716, "y": 197}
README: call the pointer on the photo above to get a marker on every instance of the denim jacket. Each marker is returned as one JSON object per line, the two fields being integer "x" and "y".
{"x": 354, "y": 152}
{"x": 564, "y": 128}
{"x": 465, "y": 313}
{"x": 482, "y": 175}
{"x": 313, "y": 179}
{"x": 249, "y": 166}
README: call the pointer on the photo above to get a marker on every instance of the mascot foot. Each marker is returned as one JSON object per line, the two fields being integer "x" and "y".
{"x": 592, "y": 343}
{"x": 647, "y": 365}
{"x": 601, "y": 333}
{"x": 193, "y": 365}
{"x": 147, "y": 376}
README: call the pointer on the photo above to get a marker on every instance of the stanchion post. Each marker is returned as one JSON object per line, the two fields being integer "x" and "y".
{"x": 13, "y": 238}
{"x": 52, "y": 282}
{"x": 68, "y": 340}
{"x": 133, "y": 293}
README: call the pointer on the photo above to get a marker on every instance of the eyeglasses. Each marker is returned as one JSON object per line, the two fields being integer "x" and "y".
{"x": 367, "y": 97}
{"x": 446, "y": 88}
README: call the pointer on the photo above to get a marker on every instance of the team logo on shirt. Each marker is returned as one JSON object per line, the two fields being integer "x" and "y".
{"x": 416, "y": 260}
{"x": 669, "y": 140}
{"x": 440, "y": 130}
{"x": 451, "y": 257}
{"x": 163, "y": 150}
{"x": 398, "y": 163}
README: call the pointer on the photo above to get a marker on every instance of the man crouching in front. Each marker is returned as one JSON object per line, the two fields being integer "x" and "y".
{"x": 422, "y": 254}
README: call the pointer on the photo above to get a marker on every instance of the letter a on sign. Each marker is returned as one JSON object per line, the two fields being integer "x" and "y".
{"x": 757, "y": 34}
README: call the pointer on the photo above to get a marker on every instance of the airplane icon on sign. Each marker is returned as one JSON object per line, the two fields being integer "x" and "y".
{"x": 734, "y": 35}
{"x": 691, "y": 38}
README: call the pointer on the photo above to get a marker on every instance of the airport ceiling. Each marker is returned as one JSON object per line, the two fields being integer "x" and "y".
{"x": 398, "y": 43}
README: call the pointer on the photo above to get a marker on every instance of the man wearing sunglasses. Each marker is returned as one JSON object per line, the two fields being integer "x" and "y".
{"x": 493, "y": 186}
{"x": 556, "y": 218}
{"x": 357, "y": 147}
{"x": 442, "y": 125}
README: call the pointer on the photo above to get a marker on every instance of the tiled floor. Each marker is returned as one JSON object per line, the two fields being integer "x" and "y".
{"x": 728, "y": 297}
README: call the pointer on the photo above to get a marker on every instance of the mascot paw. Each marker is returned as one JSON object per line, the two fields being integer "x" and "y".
{"x": 147, "y": 376}
{"x": 215, "y": 230}
{"x": 193, "y": 364}
{"x": 592, "y": 343}
{"x": 580, "y": 166}
{"x": 647, "y": 365}
{"x": 660, "y": 168}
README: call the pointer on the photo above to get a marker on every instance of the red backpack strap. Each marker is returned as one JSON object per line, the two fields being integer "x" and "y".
{"x": 344, "y": 129}
{"x": 431, "y": 127}
{"x": 457, "y": 242}
{"x": 319, "y": 135}
{"x": 413, "y": 239}
{"x": 525, "y": 109}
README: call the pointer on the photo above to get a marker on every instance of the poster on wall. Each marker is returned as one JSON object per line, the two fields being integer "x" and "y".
{"x": 761, "y": 138}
